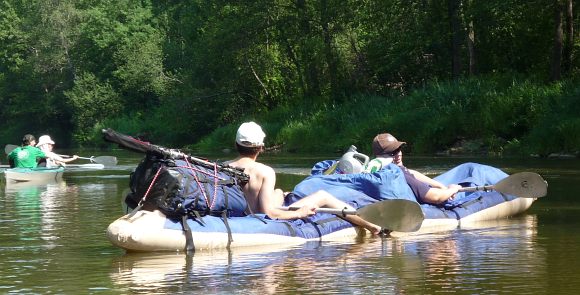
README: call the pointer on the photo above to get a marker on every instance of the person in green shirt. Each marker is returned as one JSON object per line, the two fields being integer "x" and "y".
{"x": 27, "y": 155}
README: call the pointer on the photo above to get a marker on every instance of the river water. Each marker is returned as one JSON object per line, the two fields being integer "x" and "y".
{"x": 52, "y": 241}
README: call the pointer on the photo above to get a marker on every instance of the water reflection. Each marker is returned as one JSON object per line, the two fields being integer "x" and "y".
{"x": 147, "y": 273}
{"x": 44, "y": 231}
{"x": 57, "y": 245}
{"x": 36, "y": 208}
{"x": 484, "y": 257}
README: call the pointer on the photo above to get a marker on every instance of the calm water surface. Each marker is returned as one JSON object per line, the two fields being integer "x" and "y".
{"x": 52, "y": 241}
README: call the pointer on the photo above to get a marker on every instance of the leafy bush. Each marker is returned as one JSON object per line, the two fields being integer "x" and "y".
{"x": 496, "y": 115}
{"x": 91, "y": 101}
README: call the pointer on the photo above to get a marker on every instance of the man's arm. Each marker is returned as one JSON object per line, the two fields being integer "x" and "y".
{"x": 60, "y": 160}
{"x": 426, "y": 179}
{"x": 440, "y": 195}
{"x": 271, "y": 198}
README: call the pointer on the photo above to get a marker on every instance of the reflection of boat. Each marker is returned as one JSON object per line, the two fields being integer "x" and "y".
{"x": 17, "y": 186}
{"x": 152, "y": 271}
{"x": 152, "y": 231}
{"x": 149, "y": 273}
{"x": 37, "y": 208}
{"x": 38, "y": 174}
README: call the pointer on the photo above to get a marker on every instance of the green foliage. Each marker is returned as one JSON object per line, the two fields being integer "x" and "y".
{"x": 495, "y": 116}
{"x": 12, "y": 38}
{"x": 91, "y": 101}
{"x": 221, "y": 138}
{"x": 175, "y": 71}
{"x": 144, "y": 71}
{"x": 558, "y": 130}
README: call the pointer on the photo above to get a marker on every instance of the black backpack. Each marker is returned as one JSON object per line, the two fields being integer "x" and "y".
{"x": 179, "y": 188}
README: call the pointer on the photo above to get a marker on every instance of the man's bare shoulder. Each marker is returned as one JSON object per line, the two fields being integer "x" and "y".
{"x": 252, "y": 167}
{"x": 260, "y": 168}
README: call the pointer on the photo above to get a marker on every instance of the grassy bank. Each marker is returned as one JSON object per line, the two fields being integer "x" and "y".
{"x": 500, "y": 115}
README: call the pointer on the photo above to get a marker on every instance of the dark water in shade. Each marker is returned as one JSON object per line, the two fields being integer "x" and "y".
{"x": 52, "y": 241}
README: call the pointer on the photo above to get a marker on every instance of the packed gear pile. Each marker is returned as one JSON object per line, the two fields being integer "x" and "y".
{"x": 182, "y": 186}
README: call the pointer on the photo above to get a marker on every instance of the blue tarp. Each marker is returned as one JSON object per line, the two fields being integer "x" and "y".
{"x": 389, "y": 183}
{"x": 359, "y": 190}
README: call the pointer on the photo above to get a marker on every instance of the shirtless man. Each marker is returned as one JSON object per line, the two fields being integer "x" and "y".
{"x": 260, "y": 191}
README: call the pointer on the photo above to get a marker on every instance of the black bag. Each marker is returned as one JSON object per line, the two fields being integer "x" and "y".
{"x": 179, "y": 188}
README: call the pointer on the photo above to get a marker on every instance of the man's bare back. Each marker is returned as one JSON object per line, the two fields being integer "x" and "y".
{"x": 260, "y": 191}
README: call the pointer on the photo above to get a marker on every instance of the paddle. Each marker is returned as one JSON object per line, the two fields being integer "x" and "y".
{"x": 396, "y": 215}
{"x": 9, "y": 148}
{"x": 105, "y": 160}
{"x": 86, "y": 166}
{"x": 522, "y": 185}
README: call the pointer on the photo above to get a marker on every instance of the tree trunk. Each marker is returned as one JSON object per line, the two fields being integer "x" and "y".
{"x": 455, "y": 38}
{"x": 569, "y": 43}
{"x": 312, "y": 83}
{"x": 471, "y": 48}
{"x": 556, "y": 63}
{"x": 330, "y": 60}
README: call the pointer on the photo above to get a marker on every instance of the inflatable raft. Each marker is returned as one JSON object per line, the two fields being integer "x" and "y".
{"x": 152, "y": 231}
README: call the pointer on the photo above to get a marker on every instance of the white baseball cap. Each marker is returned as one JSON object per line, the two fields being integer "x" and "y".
{"x": 45, "y": 139}
{"x": 250, "y": 134}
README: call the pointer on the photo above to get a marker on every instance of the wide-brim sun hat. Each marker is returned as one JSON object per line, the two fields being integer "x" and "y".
{"x": 385, "y": 143}
{"x": 45, "y": 139}
{"x": 250, "y": 134}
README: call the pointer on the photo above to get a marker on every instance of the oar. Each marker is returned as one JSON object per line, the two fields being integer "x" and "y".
{"x": 86, "y": 166}
{"x": 105, "y": 160}
{"x": 396, "y": 215}
{"x": 9, "y": 148}
{"x": 522, "y": 185}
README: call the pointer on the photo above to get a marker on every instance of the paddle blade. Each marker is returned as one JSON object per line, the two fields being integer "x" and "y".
{"x": 9, "y": 148}
{"x": 105, "y": 160}
{"x": 523, "y": 185}
{"x": 396, "y": 215}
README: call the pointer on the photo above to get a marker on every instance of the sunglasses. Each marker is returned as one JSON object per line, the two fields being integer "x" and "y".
{"x": 394, "y": 153}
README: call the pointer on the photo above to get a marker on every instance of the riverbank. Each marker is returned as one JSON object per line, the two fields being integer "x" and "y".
{"x": 500, "y": 115}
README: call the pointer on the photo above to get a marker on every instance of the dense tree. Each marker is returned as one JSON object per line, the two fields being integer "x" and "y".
{"x": 198, "y": 65}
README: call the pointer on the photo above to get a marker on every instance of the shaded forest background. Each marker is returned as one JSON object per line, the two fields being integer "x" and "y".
{"x": 493, "y": 75}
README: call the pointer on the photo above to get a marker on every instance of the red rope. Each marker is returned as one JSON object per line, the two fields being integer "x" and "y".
{"x": 201, "y": 171}
{"x": 199, "y": 184}
{"x": 150, "y": 186}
